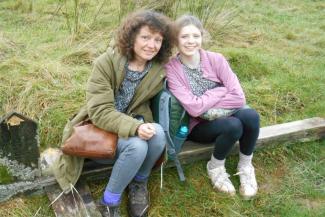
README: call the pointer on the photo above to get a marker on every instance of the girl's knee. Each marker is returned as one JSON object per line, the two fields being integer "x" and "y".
{"x": 253, "y": 115}
{"x": 250, "y": 118}
{"x": 233, "y": 128}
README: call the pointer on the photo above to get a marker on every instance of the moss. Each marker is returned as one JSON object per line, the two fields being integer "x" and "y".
{"x": 5, "y": 177}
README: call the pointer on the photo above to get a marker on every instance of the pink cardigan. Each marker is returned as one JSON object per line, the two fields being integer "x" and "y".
{"x": 216, "y": 68}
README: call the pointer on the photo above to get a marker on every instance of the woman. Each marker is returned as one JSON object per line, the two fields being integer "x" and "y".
{"x": 204, "y": 84}
{"x": 118, "y": 94}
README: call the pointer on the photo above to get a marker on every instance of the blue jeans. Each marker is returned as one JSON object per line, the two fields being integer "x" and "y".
{"x": 134, "y": 156}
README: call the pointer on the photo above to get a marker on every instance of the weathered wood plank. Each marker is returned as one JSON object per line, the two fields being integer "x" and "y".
{"x": 296, "y": 131}
{"x": 74, "y": 204}
{"x": 24, "y": 187}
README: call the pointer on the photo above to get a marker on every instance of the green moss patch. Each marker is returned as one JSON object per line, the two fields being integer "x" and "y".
{"x": 5, "y": 177}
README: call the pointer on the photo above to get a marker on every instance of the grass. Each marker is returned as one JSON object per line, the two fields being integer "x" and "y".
{"x": 291, "y": 183}
{"x": 275, "y": 47}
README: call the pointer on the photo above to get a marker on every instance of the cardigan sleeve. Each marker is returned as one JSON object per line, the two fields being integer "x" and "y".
{"x": 235, "y": 97}
{"x": 194, "y": 105}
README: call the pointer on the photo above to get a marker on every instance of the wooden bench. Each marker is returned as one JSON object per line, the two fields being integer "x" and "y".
{"x": 292, "y": 132}
{"x": 297, "y": 131}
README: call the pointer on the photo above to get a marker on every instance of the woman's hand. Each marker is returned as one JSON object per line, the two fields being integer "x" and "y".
{"x": 146, "y": 131}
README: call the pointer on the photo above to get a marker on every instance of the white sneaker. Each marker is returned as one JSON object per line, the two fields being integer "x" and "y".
{"x": 248, "y": 185}
{"x": 220, "y": 180}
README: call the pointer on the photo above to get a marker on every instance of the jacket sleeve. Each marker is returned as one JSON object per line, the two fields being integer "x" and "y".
{"x": 235, "y": 97}
{"x": 194, "y": 105}
{"x": 100, "y": 100}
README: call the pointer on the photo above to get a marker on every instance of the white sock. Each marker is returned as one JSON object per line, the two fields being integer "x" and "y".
{"x": 214, "y": 163}
{"x": 245, "y": 160}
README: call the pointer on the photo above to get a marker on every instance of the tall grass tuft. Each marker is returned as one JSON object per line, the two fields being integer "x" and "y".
{"x": 167, "y": 7}
{"x": 99, "y": 10}
{"x": 7, "y": 46}
{"x": 126, "y": 6}
{"x": 25, "y": 6}
{"x": 76, "y": 16}
{"x": 215, "y": 16}
{"x": 79, "y": 15}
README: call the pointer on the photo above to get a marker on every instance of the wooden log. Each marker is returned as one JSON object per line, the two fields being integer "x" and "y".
{"x": 292, "y": 132}
{"x": 297, "y": 131}
{"x": 288, "y": 133}
{"x": 24, "y": 187}
{"x": 78, "y": 202}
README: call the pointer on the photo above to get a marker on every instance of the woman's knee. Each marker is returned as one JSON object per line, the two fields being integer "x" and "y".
{"x": 159, "y": 139}
{"x": 159, "y": 131}
{"x": 137, "y": 148}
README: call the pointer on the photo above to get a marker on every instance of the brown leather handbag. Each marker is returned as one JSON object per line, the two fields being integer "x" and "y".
{"x": 89, "y": 141}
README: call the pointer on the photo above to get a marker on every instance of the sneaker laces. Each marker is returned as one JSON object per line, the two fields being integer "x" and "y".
{"x": 247, "y": 176}
{"x": 219, "y": 175}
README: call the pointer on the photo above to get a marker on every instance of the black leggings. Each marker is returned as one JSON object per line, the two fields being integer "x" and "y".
{"x": 244, "y": 126}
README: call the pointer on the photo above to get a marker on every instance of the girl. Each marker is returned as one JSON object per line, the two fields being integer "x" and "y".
{"x": 205, "y": 85}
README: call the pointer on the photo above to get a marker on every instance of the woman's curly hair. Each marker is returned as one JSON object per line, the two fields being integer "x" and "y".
{"x": 131, "y": 26}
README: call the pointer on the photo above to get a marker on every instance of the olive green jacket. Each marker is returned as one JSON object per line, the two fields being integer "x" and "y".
{"x": 104, "y": 82}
